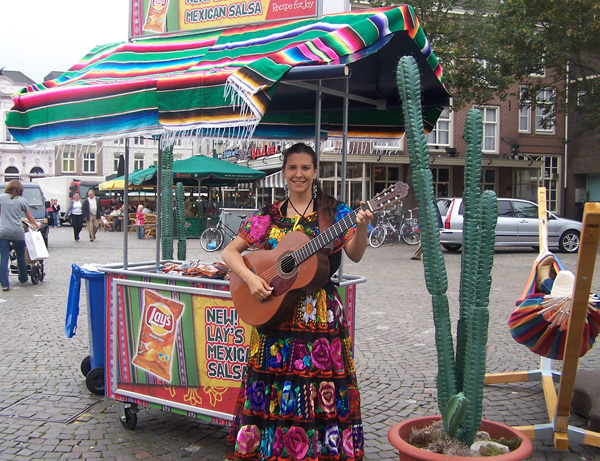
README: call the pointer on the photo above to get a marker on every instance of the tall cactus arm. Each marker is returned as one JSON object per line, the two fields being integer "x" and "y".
{"x": 474, "y": 372}
{"x": 489, "y": 218}
{"x": 181, "y": 241}
{"x": 446, "y": 378}
{"x": 167, "y": 203}
{"x": 471, "y": 234}
{"x": 409, "y": 88}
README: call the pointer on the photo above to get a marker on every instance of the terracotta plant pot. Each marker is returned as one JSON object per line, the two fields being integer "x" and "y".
{"x": 401, "y": 431}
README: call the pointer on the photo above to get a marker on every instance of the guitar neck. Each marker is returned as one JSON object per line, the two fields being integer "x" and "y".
{"x": 327, "y": 236}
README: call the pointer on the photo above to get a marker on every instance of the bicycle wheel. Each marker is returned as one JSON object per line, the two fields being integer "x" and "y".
{"x": 212, "y": 239}
{"x": 377, "y": 236}
{"x": 410, "y": 234}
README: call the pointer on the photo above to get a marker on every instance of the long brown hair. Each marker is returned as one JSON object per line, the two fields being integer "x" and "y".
{"x": 14, "y": 188}
{"x": 325, "y": 202}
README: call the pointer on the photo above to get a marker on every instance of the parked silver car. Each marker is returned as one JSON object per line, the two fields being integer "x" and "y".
{"x": 518, "y": 226}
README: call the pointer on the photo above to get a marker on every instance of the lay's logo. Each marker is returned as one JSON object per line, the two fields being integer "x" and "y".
{"x": 160, "y": 319}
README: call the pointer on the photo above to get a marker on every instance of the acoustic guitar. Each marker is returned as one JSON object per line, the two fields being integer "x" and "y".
{"x": 296, "y": 265}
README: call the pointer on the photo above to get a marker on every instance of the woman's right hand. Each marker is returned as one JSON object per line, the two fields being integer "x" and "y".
{"x": 258, "y": 287}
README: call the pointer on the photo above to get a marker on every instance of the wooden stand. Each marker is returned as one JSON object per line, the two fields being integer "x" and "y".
{"x": 558, "y": 404}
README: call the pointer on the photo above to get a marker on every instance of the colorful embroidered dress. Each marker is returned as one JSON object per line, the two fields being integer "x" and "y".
{"x": 300, "y": 400}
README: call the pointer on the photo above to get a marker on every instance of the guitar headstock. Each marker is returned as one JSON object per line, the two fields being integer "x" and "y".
{"x": 389, "y": 196}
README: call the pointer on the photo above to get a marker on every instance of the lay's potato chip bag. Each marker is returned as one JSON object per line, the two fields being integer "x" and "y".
{"x": 156, "y": 339}
{"x": 156, "y": 17}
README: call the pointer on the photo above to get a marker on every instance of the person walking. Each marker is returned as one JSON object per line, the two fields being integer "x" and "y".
{"x": 56, "y": 212}
{"x": 92, "y": 211}
{"x": 300, "y": 391}
{"x": 76, "y": 215}
{"x": 139, "y": 221}
{"x": 12, "y": 206}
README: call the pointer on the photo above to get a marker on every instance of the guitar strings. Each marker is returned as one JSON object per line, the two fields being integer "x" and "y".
{"x": 272, "y": 271}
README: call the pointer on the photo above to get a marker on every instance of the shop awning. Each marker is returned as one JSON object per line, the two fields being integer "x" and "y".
{"x": 273, "y": 180}
{"x": 210, "y": 171}
{"x": 136, "y": 178}
{"x": 256, "y": 80}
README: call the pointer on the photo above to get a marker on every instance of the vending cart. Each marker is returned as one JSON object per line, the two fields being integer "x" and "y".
{"x": 176, "y": 343}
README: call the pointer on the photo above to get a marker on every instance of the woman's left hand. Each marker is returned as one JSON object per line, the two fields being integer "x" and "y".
{"x": 363, "y": 218}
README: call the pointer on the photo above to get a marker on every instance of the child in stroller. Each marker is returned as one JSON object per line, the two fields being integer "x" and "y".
{"x": 35, "y": 268}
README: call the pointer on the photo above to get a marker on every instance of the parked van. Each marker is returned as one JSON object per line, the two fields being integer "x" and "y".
{"x": 32, "y": 192}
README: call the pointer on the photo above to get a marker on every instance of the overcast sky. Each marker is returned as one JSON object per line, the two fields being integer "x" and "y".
{"x": 41, "y": 36}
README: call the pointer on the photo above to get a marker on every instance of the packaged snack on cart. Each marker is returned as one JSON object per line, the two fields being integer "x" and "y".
{"x": 156, "y": 17}
{"x": 156, "y": 339}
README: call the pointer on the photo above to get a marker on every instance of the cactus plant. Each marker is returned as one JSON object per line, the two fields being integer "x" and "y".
{"x": 179, "y": 206}
{"x": 166, "y": 229}
{"x": 460, "y": 375}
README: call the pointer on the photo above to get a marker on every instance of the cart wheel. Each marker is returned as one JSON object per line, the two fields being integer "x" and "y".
{"x": 86, "y": 366}
{"x": 42, "y": 272}
{"x": 94, "y": 381}
{"x": 130, "y": 419}
{"x": 35, "y": 274}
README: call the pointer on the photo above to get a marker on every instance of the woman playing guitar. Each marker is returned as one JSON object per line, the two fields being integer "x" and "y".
{"x": 300, "y": 398}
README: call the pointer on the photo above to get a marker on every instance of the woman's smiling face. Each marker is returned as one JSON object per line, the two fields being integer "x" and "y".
{"x": 299, "y": 172}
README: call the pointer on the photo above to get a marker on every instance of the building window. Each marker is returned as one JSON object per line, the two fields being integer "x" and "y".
{"x": 68, "y": 161}
{"x": 524, "y": 111}
{"x": 488, "y": 179}
{"x": 89, "y": 162}
{"x": 544, "y": 111}
{"x": 441, "y": 182}
{"x": 116, "y": 158}
{"x": 36, "y": 171}
{"x": 384, "y": 177}
{"x": 551, "y": 181}
{"x": 441, "y": 135}
{"x": 138, "y": 162}
{"x": 11, "y": 173}
{"x": 491, "y": 129}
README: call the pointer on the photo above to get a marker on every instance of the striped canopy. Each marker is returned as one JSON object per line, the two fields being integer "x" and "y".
{"x": 255, "y": 80}
{"x": 273, "y": 180}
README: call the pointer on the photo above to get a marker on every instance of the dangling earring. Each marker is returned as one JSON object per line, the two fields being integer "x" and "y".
{"x": 315, "y": 188}
{"x": 286, "y": 190}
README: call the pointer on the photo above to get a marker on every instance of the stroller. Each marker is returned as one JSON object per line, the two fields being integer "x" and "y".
{"x": 35, "y": 268}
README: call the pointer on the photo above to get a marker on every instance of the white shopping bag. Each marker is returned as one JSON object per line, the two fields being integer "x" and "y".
{"x": 35, "y": 245}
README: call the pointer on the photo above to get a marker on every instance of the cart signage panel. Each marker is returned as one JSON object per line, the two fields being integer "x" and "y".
{"x": 168, "y": 16}
{"x": 181, "y": 345}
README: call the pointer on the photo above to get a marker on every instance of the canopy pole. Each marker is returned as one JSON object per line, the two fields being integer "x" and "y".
{"x": 318, "y": 128}
{"x": 344, "y": 162}
{"x": 158, "y": 202}
{"x": 125, "y": 224}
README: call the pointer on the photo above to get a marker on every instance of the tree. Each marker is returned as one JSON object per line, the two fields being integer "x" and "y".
{"x": 459, "y": 32}
{"x": 560, "y": 39}
{"x": 485, "y": 46}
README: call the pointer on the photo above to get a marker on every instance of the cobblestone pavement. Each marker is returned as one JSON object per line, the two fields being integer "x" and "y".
{"x": 46, "y": 411}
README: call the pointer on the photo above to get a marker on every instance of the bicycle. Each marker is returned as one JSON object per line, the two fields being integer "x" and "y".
{"x": 405, "y": 227}
{"x": 213, "y": 237}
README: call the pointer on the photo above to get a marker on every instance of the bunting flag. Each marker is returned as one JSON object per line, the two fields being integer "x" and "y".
{"x": 232, "y": 83}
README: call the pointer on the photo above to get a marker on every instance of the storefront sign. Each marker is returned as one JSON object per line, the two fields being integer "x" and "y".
{"x": 264, "y": 151}
{"x": 168, "y": 16}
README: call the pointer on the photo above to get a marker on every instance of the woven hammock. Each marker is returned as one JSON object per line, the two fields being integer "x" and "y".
{"x": 540, "y": 321}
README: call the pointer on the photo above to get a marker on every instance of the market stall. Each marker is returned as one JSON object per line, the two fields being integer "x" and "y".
{"x": 205, "y": 344}
{"x": 297, "y": 79}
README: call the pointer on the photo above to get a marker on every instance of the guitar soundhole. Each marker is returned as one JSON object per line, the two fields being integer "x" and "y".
{"x": 288, "y": 264}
